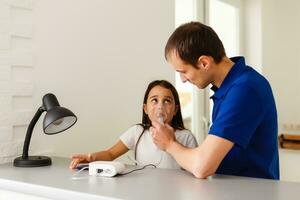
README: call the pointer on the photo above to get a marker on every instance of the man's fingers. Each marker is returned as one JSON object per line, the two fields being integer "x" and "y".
{"x": 152, "y": 131}
{"x": 168, "y": 126}
{"x": 156, "y": 124}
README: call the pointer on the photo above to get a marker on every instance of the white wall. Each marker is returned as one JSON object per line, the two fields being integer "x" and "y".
{"x": 281, "y": 53}
{"x": 272, "y": 40}
{"x": 16, "y": 75}
{"x": 253, "y": 33}
{"x": 97, "y": 57}
{"x": 281, "y": 61}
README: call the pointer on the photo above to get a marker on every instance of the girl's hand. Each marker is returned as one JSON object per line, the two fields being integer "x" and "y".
{"x": 80, "y": 158}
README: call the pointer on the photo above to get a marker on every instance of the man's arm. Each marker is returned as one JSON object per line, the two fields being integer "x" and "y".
{"x": 204, "y": 160}
{"x": 201, "y": 161}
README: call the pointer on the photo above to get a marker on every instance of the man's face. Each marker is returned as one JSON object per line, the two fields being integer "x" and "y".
{"x": 198, "y": 76}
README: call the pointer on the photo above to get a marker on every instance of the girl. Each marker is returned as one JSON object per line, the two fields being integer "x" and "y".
{"x": 161, "y": 104}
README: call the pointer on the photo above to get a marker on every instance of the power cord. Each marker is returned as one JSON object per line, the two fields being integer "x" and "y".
{"x": 138, "y": 163}
{"x": 149, "y": 165}
{"x": 74, "y": 176}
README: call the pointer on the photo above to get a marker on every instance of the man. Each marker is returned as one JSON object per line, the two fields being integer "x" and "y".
{"x": 243, "y": 137}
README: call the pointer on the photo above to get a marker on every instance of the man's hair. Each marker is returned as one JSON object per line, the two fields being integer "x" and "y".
{"x": 194, "y": 39}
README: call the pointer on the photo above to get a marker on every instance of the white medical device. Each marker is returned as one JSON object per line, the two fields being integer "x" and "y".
{"x": 106, "y": 168}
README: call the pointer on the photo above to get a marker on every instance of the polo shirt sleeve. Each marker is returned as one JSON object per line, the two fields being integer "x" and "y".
{"x": 239, "y": 115}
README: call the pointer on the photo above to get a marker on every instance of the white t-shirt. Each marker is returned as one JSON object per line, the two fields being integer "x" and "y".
{"x": 148, "y": 152}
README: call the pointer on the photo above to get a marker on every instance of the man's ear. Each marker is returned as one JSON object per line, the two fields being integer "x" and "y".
{"x": 204, "y": 62}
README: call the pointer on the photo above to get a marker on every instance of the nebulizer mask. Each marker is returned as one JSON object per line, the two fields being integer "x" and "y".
{"x": 161, "y": 115}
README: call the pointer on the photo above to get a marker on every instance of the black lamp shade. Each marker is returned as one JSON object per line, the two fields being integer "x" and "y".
{"x": 58, "y": 119}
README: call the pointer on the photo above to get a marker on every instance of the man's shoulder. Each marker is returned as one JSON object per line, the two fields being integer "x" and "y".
{"x": 252, "y": 80}
{"x": 250, "y": 75}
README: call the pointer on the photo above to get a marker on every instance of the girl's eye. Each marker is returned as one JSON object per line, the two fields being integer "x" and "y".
{"x": 167, "y": 101}
{"x": 153, "y": 100}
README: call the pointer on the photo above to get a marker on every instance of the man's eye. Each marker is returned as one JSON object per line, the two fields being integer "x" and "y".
{"x": 154, "y": 100}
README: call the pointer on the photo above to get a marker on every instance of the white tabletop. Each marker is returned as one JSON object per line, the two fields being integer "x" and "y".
{"x": 55, "y": 182}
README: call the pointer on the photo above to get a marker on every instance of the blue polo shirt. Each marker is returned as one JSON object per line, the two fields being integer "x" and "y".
{"x": 244, "y": 112}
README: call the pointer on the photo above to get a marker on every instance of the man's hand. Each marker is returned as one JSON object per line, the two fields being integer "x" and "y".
{"x": 163, "y": 135}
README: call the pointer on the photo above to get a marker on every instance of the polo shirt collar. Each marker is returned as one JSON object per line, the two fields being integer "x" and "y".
{"x": 238, "y": 67}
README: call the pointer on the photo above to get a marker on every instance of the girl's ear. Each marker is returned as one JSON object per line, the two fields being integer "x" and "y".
{"x": 145, "y": 109}
{"x": 176, "y": 109}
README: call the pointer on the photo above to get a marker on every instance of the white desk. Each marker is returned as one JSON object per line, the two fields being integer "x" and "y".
{"x": 55, "y": 182}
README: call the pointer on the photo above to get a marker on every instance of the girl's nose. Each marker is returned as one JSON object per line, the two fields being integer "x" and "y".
{"x": 160, "y": 105}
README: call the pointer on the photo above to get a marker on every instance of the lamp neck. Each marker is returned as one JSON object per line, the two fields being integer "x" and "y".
{"x": 30, "y": 129}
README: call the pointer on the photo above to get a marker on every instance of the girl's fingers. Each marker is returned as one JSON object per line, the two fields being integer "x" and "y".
{"x": 74, "y": 163}
{"x": 155, "y": 124}
{"x": 76, "y": 159}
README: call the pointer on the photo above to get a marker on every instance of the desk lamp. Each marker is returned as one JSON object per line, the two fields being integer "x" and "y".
{"x": 56, "y": 120}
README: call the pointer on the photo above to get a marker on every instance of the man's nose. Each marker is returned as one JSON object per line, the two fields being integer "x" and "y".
{"x": 183, "y": 78}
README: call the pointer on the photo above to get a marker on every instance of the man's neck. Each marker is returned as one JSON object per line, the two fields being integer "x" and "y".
{"x": 221, "y": 71}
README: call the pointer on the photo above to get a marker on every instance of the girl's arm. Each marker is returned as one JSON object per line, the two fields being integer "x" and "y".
{"x": 114, "y": 152}
{"x": 108, "y": 155}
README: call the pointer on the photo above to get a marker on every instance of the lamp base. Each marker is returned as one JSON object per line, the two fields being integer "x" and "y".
{"x": 32, "y": 161}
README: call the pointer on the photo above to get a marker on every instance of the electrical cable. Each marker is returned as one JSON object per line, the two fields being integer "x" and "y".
{"x": 74, "y": 176}
{"x": 149, "y": 165}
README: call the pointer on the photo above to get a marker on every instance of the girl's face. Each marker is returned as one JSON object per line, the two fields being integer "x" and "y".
{"x": 160, "y": 103}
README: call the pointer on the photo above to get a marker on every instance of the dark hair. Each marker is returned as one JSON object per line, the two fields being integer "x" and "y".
{"x": 177, "y": 122}
{"x": 194, "y": 39}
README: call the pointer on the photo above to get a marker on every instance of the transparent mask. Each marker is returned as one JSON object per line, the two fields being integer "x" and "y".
{"x": 161, "y": 115}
